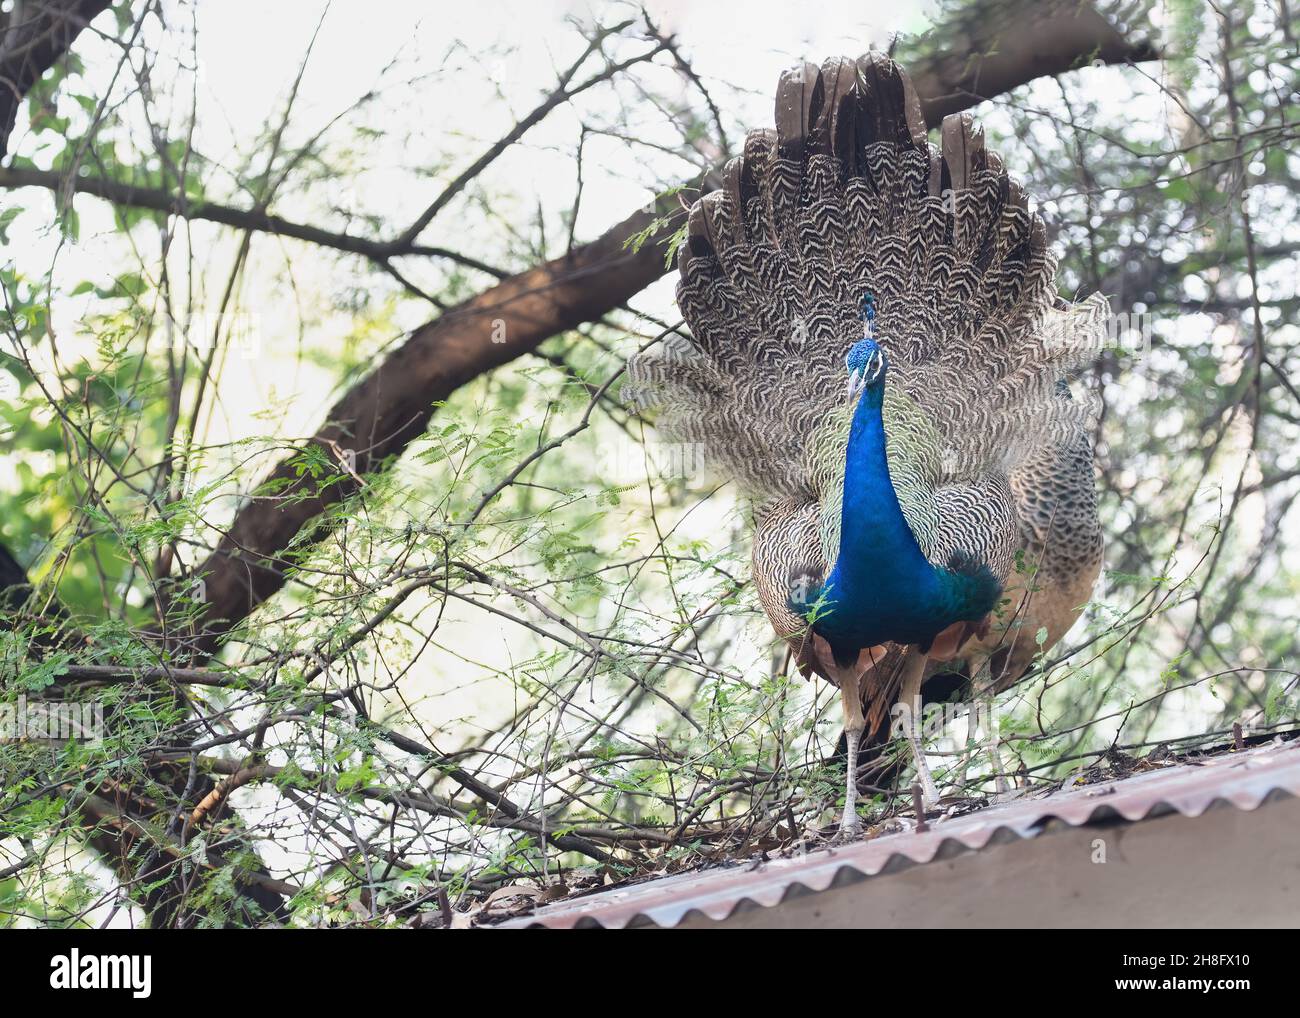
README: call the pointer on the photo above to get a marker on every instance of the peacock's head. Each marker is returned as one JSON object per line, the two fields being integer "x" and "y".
{"x": 866, "y": 363}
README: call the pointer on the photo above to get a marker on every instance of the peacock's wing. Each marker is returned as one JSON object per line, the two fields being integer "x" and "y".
{"x": 787, "y": 560}
{"x": 1060, "y": 538}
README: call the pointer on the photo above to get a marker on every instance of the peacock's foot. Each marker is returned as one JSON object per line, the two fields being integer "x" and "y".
{"x": 850, "y": 828}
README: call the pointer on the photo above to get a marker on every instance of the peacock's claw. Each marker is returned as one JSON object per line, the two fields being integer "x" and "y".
{"x": 848, "y": 833}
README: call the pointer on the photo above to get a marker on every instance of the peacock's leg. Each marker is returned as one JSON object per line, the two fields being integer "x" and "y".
{"x": 913, "y": 677}
{"x": 967, "y": 754}
{"x": 1000, "y": 786}
{"x": 854, "y": 723}
{"x": 982, "y": 685}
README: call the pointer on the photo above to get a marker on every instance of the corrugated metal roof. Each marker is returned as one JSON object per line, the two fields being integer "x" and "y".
{"x": 1242, "y": 779}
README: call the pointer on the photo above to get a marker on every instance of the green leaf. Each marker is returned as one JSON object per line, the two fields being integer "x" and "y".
{"x": 6, "y": 218}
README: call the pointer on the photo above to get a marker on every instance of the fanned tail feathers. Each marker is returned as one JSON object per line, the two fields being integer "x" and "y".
{"x": 846, "y": 197}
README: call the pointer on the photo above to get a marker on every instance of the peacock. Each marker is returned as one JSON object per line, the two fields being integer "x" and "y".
{"x": 878, "y": 357}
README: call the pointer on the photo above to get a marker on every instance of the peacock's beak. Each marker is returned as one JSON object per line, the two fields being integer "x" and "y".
{"x": 857, "y": 382}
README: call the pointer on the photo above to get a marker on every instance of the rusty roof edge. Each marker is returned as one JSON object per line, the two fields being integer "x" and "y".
{"x": 1245, "y": 780}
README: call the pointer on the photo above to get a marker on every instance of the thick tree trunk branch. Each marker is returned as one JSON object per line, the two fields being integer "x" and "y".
{"x": 998, "y": 47}
{"x": 380, "y": 416}
{"x": 33, "y": 36}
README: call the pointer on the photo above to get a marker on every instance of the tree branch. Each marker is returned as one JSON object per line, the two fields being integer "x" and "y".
{"x": 381, "y": 415}
{"x": 32, "y": 39}
{"x": 1000, "y": 46}
{"x": 258, "y": 220}
{"x": 561, "y": 95}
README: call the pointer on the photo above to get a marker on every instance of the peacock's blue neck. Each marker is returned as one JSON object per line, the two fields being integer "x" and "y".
{"x": 876, "y": 544}
{"x": 882, "y": 588}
